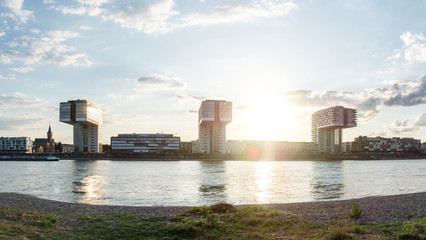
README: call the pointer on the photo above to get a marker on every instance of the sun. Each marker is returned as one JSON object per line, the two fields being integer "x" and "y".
{"x": 270, "y": 118}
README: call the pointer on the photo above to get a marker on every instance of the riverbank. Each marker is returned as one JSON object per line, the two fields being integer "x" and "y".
{"x": 391, "y": 217}
{"x": 384, "y": 209}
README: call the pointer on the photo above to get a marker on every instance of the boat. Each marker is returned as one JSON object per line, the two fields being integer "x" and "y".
{"x": 29, "y": 158}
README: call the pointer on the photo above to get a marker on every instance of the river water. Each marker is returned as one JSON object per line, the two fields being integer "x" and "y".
{"x": 189, "y": 183}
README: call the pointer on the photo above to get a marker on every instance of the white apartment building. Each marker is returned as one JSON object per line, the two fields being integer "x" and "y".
{"x": 145, "y": 143}
{"x": 327, "y": 125}
{"x": 86, "y": 119}
{"x": 380, "y": 144}
{"x": 213, "y": 116}
{"x": 16, "y": 144}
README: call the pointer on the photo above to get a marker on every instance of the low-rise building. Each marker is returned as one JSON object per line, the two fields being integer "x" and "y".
{"x": 270, "y": 148}
{"x": 145, "y": 143}
{"x": 16, "y": 144}
{"x": 185, "y": 147}
{"x": 380, "y": 144}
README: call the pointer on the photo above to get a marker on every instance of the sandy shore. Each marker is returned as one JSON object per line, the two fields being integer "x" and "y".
{"x": 382, "y": 209}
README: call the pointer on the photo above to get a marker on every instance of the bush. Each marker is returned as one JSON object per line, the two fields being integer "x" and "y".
{"x": 222, "y": 207}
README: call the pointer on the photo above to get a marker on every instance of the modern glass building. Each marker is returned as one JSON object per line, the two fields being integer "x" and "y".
{"x": 327, "y": 125}
{"x": 213, "y": 116}
{"x": 86, "y": 119}
{"x": 145, "y": 143}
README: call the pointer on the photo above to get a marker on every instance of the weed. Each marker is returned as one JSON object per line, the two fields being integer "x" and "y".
{"x": 356, "y": 210}
{"x": 359, "y": 229}
{"x": 339, "y": 234}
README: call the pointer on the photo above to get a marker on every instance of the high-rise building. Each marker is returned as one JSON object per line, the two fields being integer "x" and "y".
{"x": 327, "y": 125}
{"x": 213, "y": 117}
{"x": 86, "y": 119}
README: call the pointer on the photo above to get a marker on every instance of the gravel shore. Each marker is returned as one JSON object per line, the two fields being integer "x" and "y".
{"x": 382, "y": 209}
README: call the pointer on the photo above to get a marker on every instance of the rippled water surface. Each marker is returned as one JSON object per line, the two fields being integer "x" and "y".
{"x": 188, "y": 183}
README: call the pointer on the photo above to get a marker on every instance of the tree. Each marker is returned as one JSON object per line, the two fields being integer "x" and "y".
{"x": 59, "y": 147}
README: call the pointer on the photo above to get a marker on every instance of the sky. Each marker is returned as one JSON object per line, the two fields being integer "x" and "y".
{"x": 149, "y": 64}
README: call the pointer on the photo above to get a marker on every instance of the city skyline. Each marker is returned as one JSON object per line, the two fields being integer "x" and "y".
{"x": 149, "y": 65}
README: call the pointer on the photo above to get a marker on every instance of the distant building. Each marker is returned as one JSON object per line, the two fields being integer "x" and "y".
{"x": 213, "y": 116}
{"x": 67, "y": 148}
{"x": 145, "y": 143}
{"x": 272, "y": 149}
{"x": 379, "y": 144}
{"x": 185, "y": 147}
{"x": 86, "y": 119}
{"x": 45, "y": 145}
{"x": 16, "y": 144}
{"x": 347, "y": 147}
{"x": 327, "y": 125}
{"x": 195, "y": 146}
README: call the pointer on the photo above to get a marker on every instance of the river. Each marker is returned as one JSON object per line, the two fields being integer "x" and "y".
{"x": 189, "y": 183}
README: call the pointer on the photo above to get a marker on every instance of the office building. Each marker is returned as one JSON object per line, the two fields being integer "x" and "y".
{"x": 327, "y": 125}
{"x": 16, "y": 144}
{"x": 145, "y": 143}
{"x": 366, "y": 144}
{"x": 86, "y": 119}
{"x": 213, "y": 116}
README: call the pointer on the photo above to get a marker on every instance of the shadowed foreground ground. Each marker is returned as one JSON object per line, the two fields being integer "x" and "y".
{"x": 382, "y": 209}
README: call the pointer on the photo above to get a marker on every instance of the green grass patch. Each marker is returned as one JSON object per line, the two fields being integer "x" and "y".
{"x": 220, "y": 222}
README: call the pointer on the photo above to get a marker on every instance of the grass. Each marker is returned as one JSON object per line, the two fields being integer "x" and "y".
{"x": 219, "y": 221}
{"x": 356, "y": 210}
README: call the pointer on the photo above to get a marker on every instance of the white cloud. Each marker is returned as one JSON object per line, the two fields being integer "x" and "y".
{"x": 149, "y": 19}
{"x": 85, "y": 27}
{"x": 159, "y": 82}
{"x": 49, "y": 1}
{"x": 48, "y": 48}
{"x": 81, "y": 10}
{"x": 2, "y": 34}
{"x": 237, "y": 13}
{"x": 18, "y": 13}
{"x": 413, "y": 51}
{"x": 22, "y": 69}
{"x": 96, "y": 3}
{"x": 410, "y": 38}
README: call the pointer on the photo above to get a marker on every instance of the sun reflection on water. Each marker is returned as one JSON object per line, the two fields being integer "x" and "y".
{"x": 263, "y": 181}
{"x": 92, "y": 189}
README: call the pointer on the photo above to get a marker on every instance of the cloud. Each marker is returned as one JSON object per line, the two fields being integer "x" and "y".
{"x": 22, "y": 69}
{"x": 161, "y": 16}
{"x": 187, "y": 97}
{"x": 413, "y": 51}
{"x": 48, "y": 48}
{"x": 17, "y": 123}
{"x": 146, "y": 18}
{"x": 239, "y": 13}
{"x": 405, "y": 126}
{"x": 2, "y": 34}
{"x": 85, "y": 27}
{"x": 159, "y": 82}
{"x": 368, "y": 102}
{"x": 414, "y": 97}
{"x": 49, "y": 1}
{"x": 19, "y": 100}
{"x": 421, "y": 120}
{"x": 18, "y": 13}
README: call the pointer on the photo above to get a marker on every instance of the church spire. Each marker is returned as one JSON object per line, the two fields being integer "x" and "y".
{"x": 49, "y": 134}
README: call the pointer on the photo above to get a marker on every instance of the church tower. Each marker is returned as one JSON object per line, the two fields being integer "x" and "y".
{"x": 49, "y": 135}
